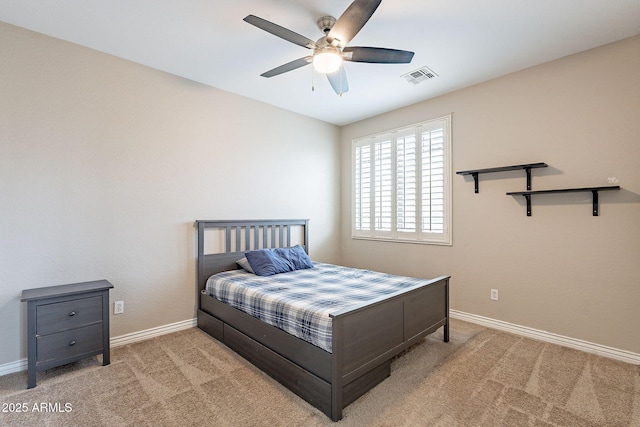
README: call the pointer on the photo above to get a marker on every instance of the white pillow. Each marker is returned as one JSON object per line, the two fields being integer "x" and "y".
{"x": 244, "y": 263}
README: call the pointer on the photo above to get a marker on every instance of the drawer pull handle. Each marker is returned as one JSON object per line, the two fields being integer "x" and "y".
{"x": 73, "y": 313}
{"x": 72, "y": 343}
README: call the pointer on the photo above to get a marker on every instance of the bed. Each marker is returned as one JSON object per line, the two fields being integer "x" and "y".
{"x": 364, "y": 337}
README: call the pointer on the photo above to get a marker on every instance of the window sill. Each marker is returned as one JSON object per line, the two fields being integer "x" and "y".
{"x": 411, "y": 241}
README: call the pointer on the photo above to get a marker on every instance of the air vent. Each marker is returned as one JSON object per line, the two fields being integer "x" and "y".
{"x": 420, "y": 75}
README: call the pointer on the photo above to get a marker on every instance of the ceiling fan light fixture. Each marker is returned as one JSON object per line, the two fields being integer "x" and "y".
{"x": 327, "y": 60}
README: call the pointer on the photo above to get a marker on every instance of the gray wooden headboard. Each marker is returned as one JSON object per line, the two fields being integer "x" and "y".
{"x": 239, "y": 236}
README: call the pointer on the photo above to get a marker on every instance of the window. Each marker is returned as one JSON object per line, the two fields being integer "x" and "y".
{"x": 401, "y": 187}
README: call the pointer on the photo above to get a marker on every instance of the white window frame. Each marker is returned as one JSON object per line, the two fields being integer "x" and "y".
{"x": 363, "y": 226}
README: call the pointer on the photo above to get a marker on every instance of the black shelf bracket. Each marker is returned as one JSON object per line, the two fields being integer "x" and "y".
{"x": 527, "y": 168}
{"x": 594, "y": 192}
{"x": 528, "y": 197}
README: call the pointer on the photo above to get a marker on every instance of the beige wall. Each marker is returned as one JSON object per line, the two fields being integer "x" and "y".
{"x": 561, "y": 270}
{"x": 105, "y": 164}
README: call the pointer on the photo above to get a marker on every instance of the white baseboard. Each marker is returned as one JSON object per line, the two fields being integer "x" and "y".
{"x": 153, "y": 332}
{"x": 586, "y": 346}
{"x": 601, "y": 350}
{"x": 11, "y": 367}
{"x": 21, "y": 365}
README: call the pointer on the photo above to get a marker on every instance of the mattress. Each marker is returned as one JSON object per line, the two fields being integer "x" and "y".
{"x": 299, "y": 302}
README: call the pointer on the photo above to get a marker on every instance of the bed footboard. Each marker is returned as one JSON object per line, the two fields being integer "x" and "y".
{"x": 368, "y": 336}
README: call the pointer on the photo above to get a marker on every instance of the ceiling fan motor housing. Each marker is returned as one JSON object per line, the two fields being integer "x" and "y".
{"x": 326, "y": 23}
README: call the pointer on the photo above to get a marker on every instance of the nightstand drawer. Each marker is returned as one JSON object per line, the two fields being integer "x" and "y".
{"x": 68, "y": 344}
{"x": 65, "y": 315}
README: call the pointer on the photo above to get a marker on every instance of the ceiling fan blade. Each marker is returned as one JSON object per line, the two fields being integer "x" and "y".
{"x": 339, "y": 81}
{"x": 279, "y": 31}
{"x": 376, "y": 55}
{"x": 289, "y": 66}
{"x": 352, "y": 21}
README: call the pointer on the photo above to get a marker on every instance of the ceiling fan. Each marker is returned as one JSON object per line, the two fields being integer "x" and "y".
{"x": 331, "y": 50}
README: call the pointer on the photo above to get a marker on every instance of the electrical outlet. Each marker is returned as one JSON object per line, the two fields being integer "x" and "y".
{"x": 118, "y": 307}
{"x": 494, "y": 294}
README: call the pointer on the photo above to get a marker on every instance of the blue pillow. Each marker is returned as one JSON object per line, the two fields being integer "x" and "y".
{"x": 267, "y": 262}
{"x": 296, "y": 256}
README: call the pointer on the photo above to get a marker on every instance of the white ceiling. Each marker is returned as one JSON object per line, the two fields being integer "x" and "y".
{"x": 464, "y": 41}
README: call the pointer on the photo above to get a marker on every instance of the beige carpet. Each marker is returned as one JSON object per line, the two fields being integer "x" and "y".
{"x": 482, "y": 377}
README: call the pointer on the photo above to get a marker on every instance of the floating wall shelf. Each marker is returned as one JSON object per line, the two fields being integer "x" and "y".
{"x": 527, "y": 194}
{"x": 594, "y": 190}
{"x": 527, "y": 168}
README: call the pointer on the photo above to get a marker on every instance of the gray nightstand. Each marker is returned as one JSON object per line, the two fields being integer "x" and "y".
{"x": 66, "y": 323}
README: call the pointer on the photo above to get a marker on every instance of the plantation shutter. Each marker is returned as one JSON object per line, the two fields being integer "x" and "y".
{"x": 433, "y": 179}
{"x": 406, "y": 187}
{"x": 400, "y": 184}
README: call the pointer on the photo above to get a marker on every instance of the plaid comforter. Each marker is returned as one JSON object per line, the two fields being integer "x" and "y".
{"x": 299, "y": 302}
